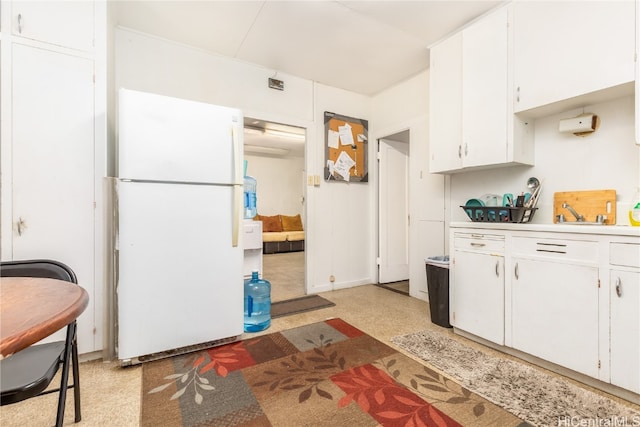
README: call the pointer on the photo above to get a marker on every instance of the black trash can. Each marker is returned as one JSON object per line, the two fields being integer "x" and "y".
{"x": 438, "y": 286}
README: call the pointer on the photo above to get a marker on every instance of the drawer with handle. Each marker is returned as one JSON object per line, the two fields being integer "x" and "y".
{"x": 561, "y": 249}
{"x": 479, "y": 242}
{"x": 624, "y": 254}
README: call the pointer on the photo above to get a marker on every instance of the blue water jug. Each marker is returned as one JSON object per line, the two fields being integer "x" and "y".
{"x": 250, "y": 199}
{"x": 257, "y": 304}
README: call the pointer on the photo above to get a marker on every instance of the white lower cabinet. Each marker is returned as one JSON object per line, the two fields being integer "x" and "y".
{"x": 555, "y": 313}
{"x": 477, "y": 296}
{"x": 624, "y": 294}
{"x": 555, "y": 295}
{"x": 625, "y": 329}
{"x": 571, "y": 300}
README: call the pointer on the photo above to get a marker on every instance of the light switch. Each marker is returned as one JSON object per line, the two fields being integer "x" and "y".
{"x": 309, "y": 179}
{"x": 316, "y": 180}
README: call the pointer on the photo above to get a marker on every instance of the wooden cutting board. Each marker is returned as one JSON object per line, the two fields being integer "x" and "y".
{"x": 588, "y": 203}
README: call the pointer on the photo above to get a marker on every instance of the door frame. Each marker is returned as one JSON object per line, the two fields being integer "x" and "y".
{"x": 307, "y": 213}
{"x": 402, "y": 136}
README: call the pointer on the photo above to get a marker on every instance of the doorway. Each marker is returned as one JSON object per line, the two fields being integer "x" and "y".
{"x": 393, "y": 211}
{"x": 275, "y": 155}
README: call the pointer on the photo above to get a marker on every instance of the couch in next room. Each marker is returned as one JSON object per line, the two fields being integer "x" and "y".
{"x": 281, "y": 233}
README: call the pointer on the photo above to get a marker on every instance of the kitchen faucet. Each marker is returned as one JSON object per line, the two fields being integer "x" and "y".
{"x": 573, "y": 212}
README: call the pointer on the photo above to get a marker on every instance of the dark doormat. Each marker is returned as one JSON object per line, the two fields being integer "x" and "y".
{"x": 401, "y": 287}
{"x": 299, "y": 305}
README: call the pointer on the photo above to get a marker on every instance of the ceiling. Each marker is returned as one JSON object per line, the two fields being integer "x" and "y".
{"x": 361, "y": 46}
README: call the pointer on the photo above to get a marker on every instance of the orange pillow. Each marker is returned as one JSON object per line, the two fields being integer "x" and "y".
{"x": 271, "y": 223}
{"x": 291, "y": 223}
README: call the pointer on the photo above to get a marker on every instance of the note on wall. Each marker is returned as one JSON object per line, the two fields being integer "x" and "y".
{"x": 346, "y": 148}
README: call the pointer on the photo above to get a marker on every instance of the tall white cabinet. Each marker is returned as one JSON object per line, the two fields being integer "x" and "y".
{"x": 53, "y": 142}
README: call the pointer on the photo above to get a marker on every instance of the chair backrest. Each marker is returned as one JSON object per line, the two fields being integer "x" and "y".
{"x": 38, "y": 268}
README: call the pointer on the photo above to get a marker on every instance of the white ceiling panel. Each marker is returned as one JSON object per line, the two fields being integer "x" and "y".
{"x": 428, "y": 21}
{"x": 362, "y": 46}
{"x": 331, "y": 44}
{"x": 216, "y": 26}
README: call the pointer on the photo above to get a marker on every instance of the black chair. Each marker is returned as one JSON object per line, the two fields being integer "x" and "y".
{"x": 29, "y": 372}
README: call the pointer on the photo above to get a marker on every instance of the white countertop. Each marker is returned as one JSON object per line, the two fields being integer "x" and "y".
{"x": 612, "y": 230}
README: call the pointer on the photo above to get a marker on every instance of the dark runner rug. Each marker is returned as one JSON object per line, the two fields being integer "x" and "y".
{"x": 526, "y": 391}
{"x": 323, "y": 374}
{"x": 299, "y": 305}
{"x": 401, "y": 287}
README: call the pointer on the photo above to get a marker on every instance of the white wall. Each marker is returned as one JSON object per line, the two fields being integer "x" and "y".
{"x": 281, "y": 183}
{"x": 406, "y": 106}
{"x": 606, "y": 159}
{"x": 341, "y": 215}
{"x": 339, "y": 226}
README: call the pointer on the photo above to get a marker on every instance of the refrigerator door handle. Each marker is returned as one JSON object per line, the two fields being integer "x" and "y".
{"x": 237, "y": 157}
{"x": 238, "y": 204}
{"x": 238, "y": 193}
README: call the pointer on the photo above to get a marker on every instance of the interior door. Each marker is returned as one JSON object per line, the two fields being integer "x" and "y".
{"x": 393, "y": 211}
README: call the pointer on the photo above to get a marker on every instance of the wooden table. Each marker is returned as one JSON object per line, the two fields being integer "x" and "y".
{"x": 34, "y": 308}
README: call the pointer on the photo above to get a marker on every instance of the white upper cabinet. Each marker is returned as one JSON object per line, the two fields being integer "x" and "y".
{"x": 61, "y": 23}
{"x": 484, "y": 91}
{"x": 472, "y": 122}
{"x": 569, "y": 49}
{"x": 445, "y": 89}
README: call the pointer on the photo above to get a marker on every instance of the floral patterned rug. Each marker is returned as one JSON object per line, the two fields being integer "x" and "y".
{"x": 323, "y": 374}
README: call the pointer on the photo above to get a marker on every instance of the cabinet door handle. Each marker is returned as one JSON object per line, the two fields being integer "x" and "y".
{"x": 518, "y": 94}
{"x": 477, "y": 245}
{"x": 619, "y": 287}
{"x": 497, "y": 266}
{"x": 20, "y": 226}
{"x": 516, "y": 272}
{"x": 466, "y": 149}
{"x": 460, "y": 151}
{"x": 19, "y": 23}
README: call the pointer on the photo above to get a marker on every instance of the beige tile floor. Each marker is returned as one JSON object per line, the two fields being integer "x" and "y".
{"x": 285, "y": 272}
{"x": 111, "y": 394}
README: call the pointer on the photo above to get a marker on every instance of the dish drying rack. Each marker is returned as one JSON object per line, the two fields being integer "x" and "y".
{"x": 517, "y": 214}
{"x": 499, "y": 214}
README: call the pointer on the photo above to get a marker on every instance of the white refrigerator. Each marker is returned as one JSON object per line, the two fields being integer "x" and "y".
{"x": 179, "y": 277}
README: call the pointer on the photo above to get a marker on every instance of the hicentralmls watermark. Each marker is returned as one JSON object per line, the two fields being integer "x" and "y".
{"x": 613, "y": 421}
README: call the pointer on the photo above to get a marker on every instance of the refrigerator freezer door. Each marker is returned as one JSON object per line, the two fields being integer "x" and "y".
{"x": 170, "y": 139}
{"x": 180, "y": 279}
